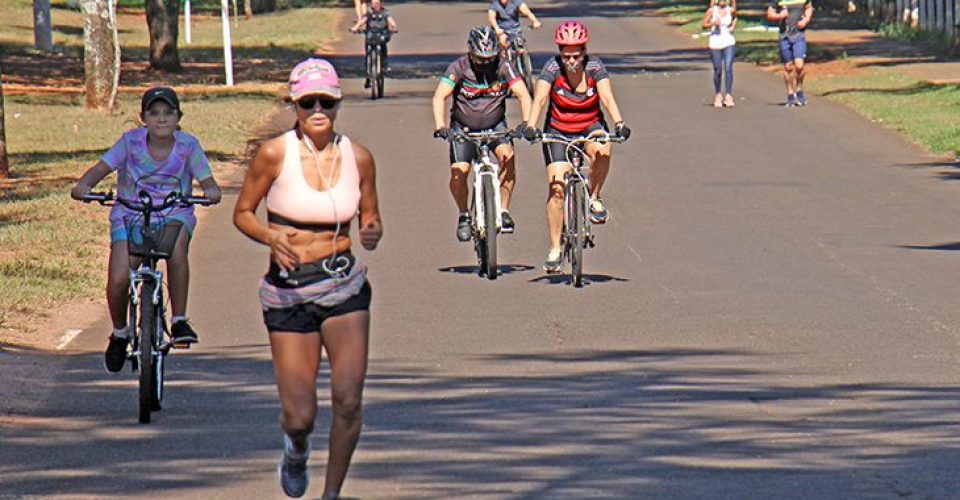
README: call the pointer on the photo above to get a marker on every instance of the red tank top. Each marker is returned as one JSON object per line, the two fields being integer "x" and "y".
{"x": 572, "y": 112}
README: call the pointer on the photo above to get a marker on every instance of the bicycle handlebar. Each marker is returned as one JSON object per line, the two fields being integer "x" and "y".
{"x": 479, "y": 138}
{"x": 145, "y": 203}
{"x": 601, "y": 138}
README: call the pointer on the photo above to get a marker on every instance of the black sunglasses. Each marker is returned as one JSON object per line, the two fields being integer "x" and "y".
{"x": 308, "y": 103}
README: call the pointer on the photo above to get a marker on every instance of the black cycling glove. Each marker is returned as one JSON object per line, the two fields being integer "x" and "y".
{"x": 442, "y": 133}
{"x": 623, "y": 130}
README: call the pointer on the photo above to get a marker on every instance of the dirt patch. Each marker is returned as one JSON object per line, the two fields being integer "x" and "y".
{"x": 834, "y": 69}
{"x": 50, "y": 332}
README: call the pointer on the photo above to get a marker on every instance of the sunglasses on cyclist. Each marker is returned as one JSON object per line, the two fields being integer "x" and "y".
{"x": 308, "y": 103}
{"x": 573, "y": 56}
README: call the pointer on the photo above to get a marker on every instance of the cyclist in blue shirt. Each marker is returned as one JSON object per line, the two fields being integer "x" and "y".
{"x": 504, "y": 18}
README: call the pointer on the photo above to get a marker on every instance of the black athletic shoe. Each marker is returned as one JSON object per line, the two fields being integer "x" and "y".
{"x": 508, "y": 225}
{"x": 116, "y": 354}
{"x": 366, "y": 83}
{"x": 464, "y": 231}
{"x": 293, "y": 471}
{"x": 183, "y": 333}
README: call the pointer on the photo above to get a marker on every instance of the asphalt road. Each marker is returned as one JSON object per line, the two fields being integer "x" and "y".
{"x": 770, "y": 312}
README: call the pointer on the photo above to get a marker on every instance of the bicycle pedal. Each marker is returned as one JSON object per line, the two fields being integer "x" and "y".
{"x": 181, "y": 345}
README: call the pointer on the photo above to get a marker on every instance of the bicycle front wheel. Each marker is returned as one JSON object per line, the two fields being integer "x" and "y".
{"x": 375, "y": 73}
{"x": 381, "y": 71}
{"x": 490, "y": 221}
{"x": 527, "y": 71}
{"x": 148, "y": 328}
{"x": 578, "y": 231}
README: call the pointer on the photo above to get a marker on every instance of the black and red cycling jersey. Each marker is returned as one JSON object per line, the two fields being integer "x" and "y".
{"x": 572, "y": 112}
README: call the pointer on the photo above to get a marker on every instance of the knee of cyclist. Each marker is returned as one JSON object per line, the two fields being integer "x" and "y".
{"x": 556, "y": 191}
{"x": 118, "y": 281}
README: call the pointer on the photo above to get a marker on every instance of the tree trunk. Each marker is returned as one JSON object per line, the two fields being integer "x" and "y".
{"x": 4, "y": 165}
{"x": 163, "y": 18}
{"x": 42, "y": 30}
{"x": 248, "y": 9}
{"x": 101, "y": 54}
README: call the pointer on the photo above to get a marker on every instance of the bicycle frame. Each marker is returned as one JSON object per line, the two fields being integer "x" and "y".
{"x": 151, "y": 339}
{"x": 485, "y": 165}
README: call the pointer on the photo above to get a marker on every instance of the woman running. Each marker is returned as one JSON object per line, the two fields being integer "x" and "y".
{"x": 315, "y": 295}
{"x": 721, "y": 19}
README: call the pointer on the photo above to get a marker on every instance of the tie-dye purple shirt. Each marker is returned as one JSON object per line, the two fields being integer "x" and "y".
{"x": 131, "y": 158}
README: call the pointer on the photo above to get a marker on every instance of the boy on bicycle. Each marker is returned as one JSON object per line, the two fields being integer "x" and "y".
{"x": 479, "y": 82}
{"x": 157, "y": 158}
{"x": 379, "y": 25}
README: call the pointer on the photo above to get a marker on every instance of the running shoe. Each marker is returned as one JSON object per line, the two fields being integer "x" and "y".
{"x": 801, "y": 99}
{"x": 598, "y": 212}
{"x": 791, "y": 101}
{"x": 728, "y": 101}
{"x": 718, "y": 101}
{"x": 116, "y": 354}
{"x": 293, "y": 469}
{"x": 464, "y": 231}
{"x": 553, "y": 264}
{"x": 366, "y": 83}
{"x": 183, "y": 333}
{"x": 508, "y": 225}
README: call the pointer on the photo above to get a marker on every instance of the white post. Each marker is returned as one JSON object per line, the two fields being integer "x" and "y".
{"x": 227, "y": 49}
{"x": 186, "y": 21}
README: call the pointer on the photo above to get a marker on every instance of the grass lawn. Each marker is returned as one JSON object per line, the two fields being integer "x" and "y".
{"x": 929, "y": 114}
{"x": 53, "y": 249}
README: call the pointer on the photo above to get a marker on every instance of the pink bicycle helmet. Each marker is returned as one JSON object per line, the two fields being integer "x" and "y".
{"x": 571, "y": 33}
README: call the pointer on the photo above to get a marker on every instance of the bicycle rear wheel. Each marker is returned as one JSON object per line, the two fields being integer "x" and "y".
{"x": 578, "y": 233}
{"x": 490, "y": 221}
{"x": 148, "y": 328}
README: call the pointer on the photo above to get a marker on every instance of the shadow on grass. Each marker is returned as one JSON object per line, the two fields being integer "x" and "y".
{"x": 916, "y": 88}
{"x": 605, "y": 423}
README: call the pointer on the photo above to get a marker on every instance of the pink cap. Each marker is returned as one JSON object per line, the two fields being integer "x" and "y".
{"x": 314, "y": 76}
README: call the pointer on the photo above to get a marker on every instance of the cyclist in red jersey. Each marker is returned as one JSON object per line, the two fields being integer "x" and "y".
{"x": 575, "y": 85}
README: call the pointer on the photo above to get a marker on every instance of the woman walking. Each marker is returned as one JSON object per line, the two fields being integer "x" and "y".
{"x": 315, "y": 296}
{"x": 721, "y": 20}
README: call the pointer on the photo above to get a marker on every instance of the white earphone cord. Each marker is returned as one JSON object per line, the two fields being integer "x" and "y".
{"x": 311, "y": 147}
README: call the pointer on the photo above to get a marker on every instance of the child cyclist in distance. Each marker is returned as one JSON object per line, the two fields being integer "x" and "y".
{"x": 157, "y": 158}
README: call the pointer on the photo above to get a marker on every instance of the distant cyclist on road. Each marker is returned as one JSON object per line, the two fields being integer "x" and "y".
{"x": 315, "y": 296}
{"x": 479, "y": 83}
{"x": 575, "y": 85}
{"x": 504, "y": 18}
{"x": 793, "y": 17}
{"x": 379, "y": 25}
{"x": 157, "y": 158}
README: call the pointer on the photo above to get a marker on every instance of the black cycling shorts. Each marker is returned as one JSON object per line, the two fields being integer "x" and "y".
{"x": 555, "y": 152}
{"x": 466, "y": 152}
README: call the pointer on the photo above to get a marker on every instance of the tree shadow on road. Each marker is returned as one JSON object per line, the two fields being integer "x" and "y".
{"x": 614, "y": 423}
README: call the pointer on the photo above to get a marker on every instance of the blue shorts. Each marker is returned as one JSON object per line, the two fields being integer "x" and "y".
{"x": 793, "y": 49}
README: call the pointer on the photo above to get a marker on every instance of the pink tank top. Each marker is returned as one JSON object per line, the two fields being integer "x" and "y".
{"x": 292, "y": 198}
